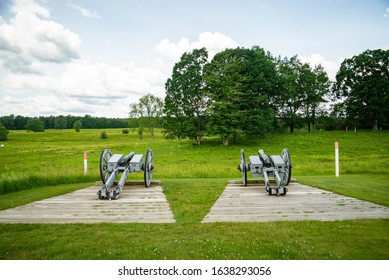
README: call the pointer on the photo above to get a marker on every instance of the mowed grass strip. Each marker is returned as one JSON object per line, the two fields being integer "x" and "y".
{"x": 357, "y": 239}
{"x": 373, "y": 188}
{"x": 190, "y": 200}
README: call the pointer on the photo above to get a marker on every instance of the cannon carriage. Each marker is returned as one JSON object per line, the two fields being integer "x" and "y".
{"x": 113, "y": 164}
{"x": 277, "y": 166}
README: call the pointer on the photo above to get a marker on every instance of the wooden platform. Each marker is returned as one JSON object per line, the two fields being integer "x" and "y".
{"x": 253, "y": 204}
{"x": 137, "y": 204}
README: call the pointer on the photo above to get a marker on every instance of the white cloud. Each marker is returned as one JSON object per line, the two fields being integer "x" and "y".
{"x": 86, "y": 87}
{"x": 331, "y": 67}
{"x": 104, "y": 80}
{"x": 30, "y": 38}
{"x": 83, "y": 86}
{"x": 213, "y": 42}
{"x": 29, "y": 7}
{"x": 45, "y": 104}
{"x": 82, "y": 11}
{"x": 92, "y": 80}
{"x": 43, "y": 71}
{"x": 386, "y": 14}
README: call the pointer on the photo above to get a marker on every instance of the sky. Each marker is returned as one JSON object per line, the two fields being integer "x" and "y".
{"x": 96, "y": 57}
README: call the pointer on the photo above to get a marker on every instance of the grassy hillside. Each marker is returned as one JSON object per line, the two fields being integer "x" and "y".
{"x": 57, "y": 156}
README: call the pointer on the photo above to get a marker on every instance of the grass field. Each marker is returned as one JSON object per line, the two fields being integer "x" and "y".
{"x": 39, "y": 165}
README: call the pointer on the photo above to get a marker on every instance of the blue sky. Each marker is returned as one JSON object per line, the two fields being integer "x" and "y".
{"x": 96, "y": 57}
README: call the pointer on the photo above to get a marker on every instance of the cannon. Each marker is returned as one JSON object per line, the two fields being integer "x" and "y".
{"x": 112, "y": 165}
{"x": 277, "y": 166}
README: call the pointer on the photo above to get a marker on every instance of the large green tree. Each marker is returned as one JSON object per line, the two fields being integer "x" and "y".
{"x": 148, "y": 111}
{"x": 239, "y": 82}
{"x": 290, "y": 98}
{"x": 315, "y": 85}
{"x": 186, "y": 102}
{"x": 362, "y": 82}
{"x": 300, "y": 93}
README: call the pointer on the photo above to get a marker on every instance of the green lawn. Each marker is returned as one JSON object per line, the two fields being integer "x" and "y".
{"x": 359, "y": 239}
{"x": 42, "y": 165}
{"x": 56, "y": 157}
{"x": 373, "y": 188}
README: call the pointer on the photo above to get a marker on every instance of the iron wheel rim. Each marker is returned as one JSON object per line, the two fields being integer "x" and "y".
{"x": 243, "y": 167}
{"x": 148, "y": 169}
{"x": 104, "y": 157}
{"x": 285, "y": 155}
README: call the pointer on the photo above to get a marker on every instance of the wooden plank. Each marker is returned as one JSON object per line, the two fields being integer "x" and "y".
{"x": 137, "y": 204}
{"x": 253, "y": 204}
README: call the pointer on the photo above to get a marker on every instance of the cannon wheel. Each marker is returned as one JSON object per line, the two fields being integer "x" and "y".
{"x": 243, "y": 167}
{"x": 285, "y": 155}
{"x": 105, "y": 156}
{"x": 148, "y": 168}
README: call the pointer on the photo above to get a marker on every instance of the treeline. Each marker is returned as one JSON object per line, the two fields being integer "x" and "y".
{"x": 13, "y": 122}
{"x": 251, "y": 92}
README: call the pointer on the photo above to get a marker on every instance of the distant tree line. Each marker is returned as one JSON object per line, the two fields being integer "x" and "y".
{"x": 18, "y": 122}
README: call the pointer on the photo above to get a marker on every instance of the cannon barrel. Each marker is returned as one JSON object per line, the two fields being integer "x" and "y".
{"x": 265, "y": 158}
{"x": 128, "y": 157}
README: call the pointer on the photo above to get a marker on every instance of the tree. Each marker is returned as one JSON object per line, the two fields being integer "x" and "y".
{"x": 60, "y": 122}
{"x": 35, "y": 125}
{"x": 77, "y": 125}
{"x": 301, "y": 91}
{"x": 224, "y": 84}
{"x": 48, "y": 121}
{"x": 290, "y": 98}
{"x": 362, "y": 83}
{"x": 239, "y": 82}
{"x": 103, "y": 135}
{"x": 259, "y": 115}
{"x": 20, "y": 122}
{"x": 3, "y": 133}
{"x": 8, "y": 121}
{"x": 186, "y": 102}
{"x": 148, "y": 110}
{"x": 314, "y": 84}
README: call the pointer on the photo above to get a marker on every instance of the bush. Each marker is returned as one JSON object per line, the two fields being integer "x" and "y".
{"x": 77, "y": 126}
{"x": 35, "y": 125}
{"x": 103, "y": 135}
{"x": 125, "y": 131}
{"x": 3, "y": 133}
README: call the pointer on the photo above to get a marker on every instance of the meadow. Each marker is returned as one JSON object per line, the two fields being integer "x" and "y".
{"x": 34, "y": 166}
